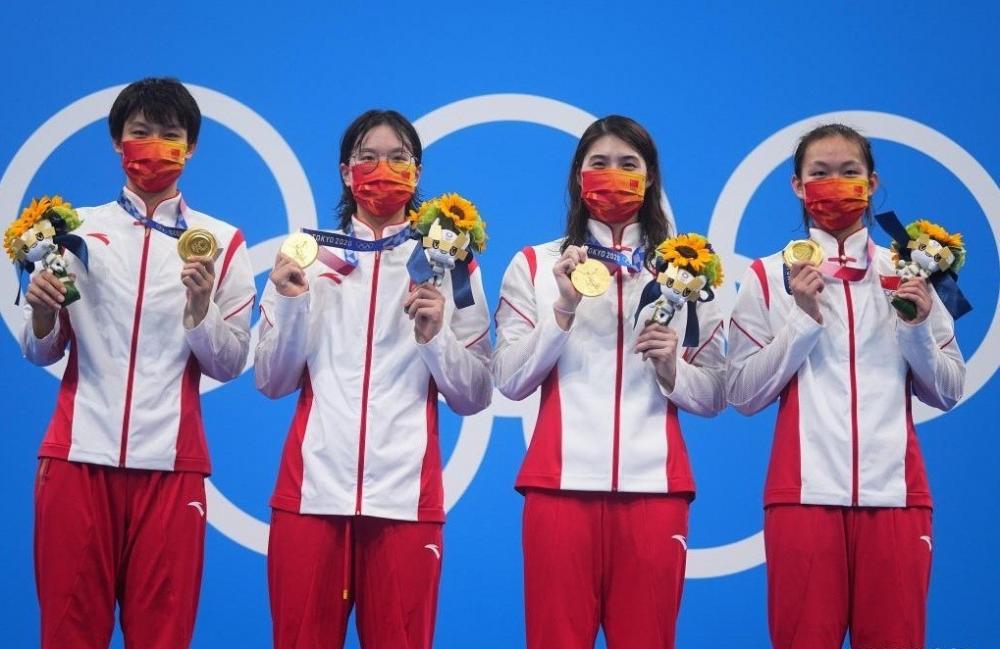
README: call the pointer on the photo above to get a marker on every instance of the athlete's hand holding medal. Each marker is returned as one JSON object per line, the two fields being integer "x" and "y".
{"x": 805, "y": 281}
{"x": 577, "y": 276}
{"x": 298, "y": 252}
{"x": 199, "y": 249}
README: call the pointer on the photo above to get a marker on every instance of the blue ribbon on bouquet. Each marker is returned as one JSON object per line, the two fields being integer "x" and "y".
{"x": 421, "y": 271}
{"x": 944, "y": 282}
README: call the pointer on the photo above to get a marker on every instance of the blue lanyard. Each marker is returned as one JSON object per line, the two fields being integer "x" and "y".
{"x": 351, "y": 245}
{"x": 418, "y": 267}
{"x": 176, "y": 232}
{"x": 633, "y": 263}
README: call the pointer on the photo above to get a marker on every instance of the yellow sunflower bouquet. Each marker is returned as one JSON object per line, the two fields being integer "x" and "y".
{"x": 454, "y": 213}
{"x": 932, "y": 253}
{"x": 687, "y": 271}
{"x": 22, "y": 234}
{"x": 934, "y": 248}
{"x": 449, "y": 228}
{"x": 693, "y": 253}
{"x": 37, "y": 235}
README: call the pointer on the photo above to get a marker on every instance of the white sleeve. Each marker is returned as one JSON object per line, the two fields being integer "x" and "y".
{"x": 221, "y": 341}
{"x": 280, "y": 357}
{"x": 47, "y": 350}
{"x": 529, "y": 342}
{"x": 931, "y": 350}
{"x": 700, "y": 381}
{"x": 760, "y": 362}
{"x": 458, "y": 356}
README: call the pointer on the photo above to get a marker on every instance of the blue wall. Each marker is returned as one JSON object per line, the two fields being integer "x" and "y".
{"x": 712, "y": 82}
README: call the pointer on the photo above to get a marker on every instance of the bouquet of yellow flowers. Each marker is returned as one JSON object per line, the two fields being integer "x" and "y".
{"x": 37, "y": 235}
{"x": 687, "y": 271}
{"x": 450, "y": 229}
{"x": 926, "y": 250}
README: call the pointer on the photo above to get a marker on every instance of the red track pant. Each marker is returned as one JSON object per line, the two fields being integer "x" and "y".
{"x": 609, "y": 559}
{"x": 389, "y": 569}
{"x": 834, "y": 569}
{"x": 104, "y": 534}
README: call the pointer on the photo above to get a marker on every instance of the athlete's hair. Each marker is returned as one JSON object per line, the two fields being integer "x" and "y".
{"x": 161, "y": 100}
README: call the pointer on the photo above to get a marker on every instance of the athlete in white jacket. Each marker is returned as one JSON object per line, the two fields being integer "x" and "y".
{"x": 847, "y": 520}
{"x": 120, "y": 497}
{"x": 358, "y": 507}
{"x": 606, "y": 479}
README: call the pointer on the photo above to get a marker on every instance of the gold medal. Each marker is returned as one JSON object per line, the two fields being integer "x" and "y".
{"x": 197, "y": 243}
{"x": 591, "y": 278}
{"x": 301, "y": 248}
{"x": 805, "y": 250}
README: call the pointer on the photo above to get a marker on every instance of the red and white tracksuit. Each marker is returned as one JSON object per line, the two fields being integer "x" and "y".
{"x": 847, "y": 523}
{"x": 363, "y": 446}
{"x": 120, "y": 500}
{"x": 606, "y": 477}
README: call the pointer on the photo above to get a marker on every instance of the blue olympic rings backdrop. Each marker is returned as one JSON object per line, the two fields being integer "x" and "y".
{"x": 500, "y": 92}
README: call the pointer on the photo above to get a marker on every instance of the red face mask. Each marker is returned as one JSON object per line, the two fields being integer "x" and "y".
{"x": 612, "y": 195}
{"x": 836, "y": 203}
{"x": 153, "y": 165}
{"x": 383, "y": 191}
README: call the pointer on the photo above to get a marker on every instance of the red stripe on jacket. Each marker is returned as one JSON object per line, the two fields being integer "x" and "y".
{"x": 288, "y": 490}
{"x": 529, "y": 256}
{"x": 234, "y": 245}
{"x": 784, "y": 471}
{"x": 59, "y": 436}
{"x": 918, "y": 491}
{"x": 679, "y": 478}
{"x": 192, "y": 449}
{"x": 542, "y": 465}
{"x": 430, "y": 506}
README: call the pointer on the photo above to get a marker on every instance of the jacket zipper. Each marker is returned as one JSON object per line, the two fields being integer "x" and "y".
{"x": 854, "y": 387}
{"x": 135, "y": 344}
{"x": 618, "y": 384}
{"x": 365, "y": 384}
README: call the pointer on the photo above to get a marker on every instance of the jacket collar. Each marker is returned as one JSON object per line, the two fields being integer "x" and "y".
{"x": 853, "y": 254}
{"x": 168, "y": 212}
{"x": 362, "y": 231}
{"x": 631, "y": 237}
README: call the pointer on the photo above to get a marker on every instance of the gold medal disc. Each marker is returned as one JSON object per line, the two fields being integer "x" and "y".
{"x": 591, "y": 278}
{"x": 301, "y": 247}
{"x": 197, "y": 243}
{"x": 805, "y": 250}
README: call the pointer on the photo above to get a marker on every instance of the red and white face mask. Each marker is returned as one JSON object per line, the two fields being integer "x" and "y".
{"x": 153, "y": 165}
{"x": 383, "y": 191}
{"x": 612, "y": 195}
{"x": 836, "y": 204}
